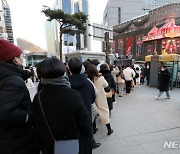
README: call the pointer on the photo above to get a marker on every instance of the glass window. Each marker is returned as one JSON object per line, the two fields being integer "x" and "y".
{"x": 76, "y": 7}
{"x": 85, "y": 6}
{"x": 66, "y": 6}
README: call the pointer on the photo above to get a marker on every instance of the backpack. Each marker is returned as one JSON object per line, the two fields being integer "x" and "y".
{"x": 137, "y": 75}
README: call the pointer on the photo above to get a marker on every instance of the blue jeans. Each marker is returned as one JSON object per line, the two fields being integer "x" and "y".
{"x": 161, "y": 92}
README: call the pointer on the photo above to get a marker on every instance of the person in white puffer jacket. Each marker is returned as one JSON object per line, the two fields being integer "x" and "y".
{"x": 129, "y": 74}
{"x": 138, "y": 77}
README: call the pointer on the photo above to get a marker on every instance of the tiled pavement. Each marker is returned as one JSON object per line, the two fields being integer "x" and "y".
{"x": 141, "y": 124}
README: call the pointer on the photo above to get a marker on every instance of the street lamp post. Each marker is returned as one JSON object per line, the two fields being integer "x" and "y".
{"x": 107, "y": 47}
{"x": 145, "y": 9}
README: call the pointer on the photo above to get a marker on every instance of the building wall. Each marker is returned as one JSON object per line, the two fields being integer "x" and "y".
{"x": 151, "y": 4}
{"x": 3, "y": 34}
{"x": 2, "y": 23}
{"x": 8, "y": 23}
{"x": 97, "y": 36}
{"x": 118, "y": 11}
{"x": 158, "y": 17}
{"x": 50, "y": 37}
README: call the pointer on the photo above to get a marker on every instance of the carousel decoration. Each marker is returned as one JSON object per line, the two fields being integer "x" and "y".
{"x": 169, "y": 30}
{"x": 169, "y": 34}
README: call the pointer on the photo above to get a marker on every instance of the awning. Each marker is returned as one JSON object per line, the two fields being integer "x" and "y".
{"x": 164, "y": 58}
{"x": 153, "y": 31}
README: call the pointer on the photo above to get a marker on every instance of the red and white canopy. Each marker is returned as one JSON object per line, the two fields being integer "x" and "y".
{"x": 170, "y": 27}
{"x": 168, "y": 30}
{"x": 153, "y": 31}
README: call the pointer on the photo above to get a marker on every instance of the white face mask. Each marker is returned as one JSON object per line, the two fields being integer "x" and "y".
{"x": 82, "y": 69}
{"x": 162, "y": 69}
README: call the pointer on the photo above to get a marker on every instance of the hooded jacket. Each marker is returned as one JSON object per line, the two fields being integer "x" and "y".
{"x": 80, "y": 83}
{"x": 16, "y": 133}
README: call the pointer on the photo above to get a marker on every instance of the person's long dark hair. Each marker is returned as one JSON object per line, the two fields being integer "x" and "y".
{"x": 120, "y": 69}
{"x": 92, "y": 72}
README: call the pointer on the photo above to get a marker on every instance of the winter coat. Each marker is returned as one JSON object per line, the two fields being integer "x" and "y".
{"x": 129, "y": 74}
{"x": 139, "y": 76}
{"x": 66, "y": 114}
{"x": 80, "y": 83}
{"x": 16, "y": 133}
{"x": 112, "y": 84}
{"x": 114, "y": 72}
{"x": 101, "y": 101}
{"x": 164, "y": 80}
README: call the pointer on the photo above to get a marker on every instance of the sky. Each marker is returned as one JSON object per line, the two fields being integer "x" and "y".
{"x": 29, "y": 23}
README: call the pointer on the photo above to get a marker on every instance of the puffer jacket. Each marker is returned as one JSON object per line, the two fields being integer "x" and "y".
{"x": 164, "y": 80}
{"x": 16, "y": 133}
{"x": 129, "y": 74}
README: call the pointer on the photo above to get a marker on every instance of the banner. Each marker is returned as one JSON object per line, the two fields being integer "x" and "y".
{"x": 129, "y": 46}
{"x": 120, "y": 47}
{"x": 139, "y": 45}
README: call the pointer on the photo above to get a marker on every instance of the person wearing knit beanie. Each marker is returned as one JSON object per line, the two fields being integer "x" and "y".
{"x": 16, "y": 117}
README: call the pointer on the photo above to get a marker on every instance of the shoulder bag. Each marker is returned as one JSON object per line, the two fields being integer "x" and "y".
{"x": 61, "y": 146}
{"x": 120, "y": 79}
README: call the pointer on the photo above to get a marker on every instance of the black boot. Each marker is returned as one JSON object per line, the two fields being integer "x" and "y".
{"x": 95, "y": 129}
{"x": 110, "y": 130}
{"x": 94, "y": 144}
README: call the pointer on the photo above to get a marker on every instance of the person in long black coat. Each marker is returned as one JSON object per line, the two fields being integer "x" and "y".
{"x": 105, "y": 70}
{"x": 80, "y": 83}
{"x": 64, "y": 108}
{"x": 164, "y": 81}
{"x": 17, "y": 135}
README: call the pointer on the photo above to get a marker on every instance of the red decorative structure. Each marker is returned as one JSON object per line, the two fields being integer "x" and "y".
{"x": 170, "y": 36}
{"x": 153, "y": 32}
{"x": 169, "y": 30}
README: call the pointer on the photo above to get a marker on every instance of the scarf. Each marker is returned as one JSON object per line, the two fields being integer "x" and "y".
{"x": 61, "y": 81}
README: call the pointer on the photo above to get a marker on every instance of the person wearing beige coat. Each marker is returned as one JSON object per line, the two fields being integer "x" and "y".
{"x": 101, "y": 101}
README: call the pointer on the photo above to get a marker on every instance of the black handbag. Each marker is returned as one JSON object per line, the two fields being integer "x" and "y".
{"x": 61, "y": 146}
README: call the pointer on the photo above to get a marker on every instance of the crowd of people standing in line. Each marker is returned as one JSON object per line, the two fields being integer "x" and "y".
{"x": 69, "y": 99}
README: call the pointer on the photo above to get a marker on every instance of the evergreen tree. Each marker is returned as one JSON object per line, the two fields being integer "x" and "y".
{"x": 69, "y": 23}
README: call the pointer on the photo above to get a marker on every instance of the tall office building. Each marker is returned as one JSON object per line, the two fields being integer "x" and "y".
{"x": 77, "y": 42}
{"x": 50, "y": 37}
{"x": 151, "y": 4}
{"x": 118, "y": 11}
{"x": 7, "y": 17}
{"x": 3, "y": 34}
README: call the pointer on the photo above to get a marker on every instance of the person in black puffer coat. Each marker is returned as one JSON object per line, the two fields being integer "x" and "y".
{"x": 164, "y": 81}
{"x": 17, "y": 135}
{"x": 105, "y": 70}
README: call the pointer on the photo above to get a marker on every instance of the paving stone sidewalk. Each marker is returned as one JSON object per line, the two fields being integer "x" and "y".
{"x": 142, "y": 124}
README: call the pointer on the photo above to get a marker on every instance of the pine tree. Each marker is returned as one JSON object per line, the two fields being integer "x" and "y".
{"x": 69, "y": 23}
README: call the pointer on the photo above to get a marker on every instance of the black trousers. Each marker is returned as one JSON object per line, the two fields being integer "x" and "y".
{"x": 128, "y": 87}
